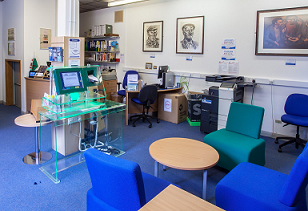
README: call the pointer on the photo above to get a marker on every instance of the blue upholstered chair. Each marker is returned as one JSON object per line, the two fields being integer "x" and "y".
{"x": 252, "y": 187}
{"x": 119, "y": 184}
{"x": 296, "y": 114}
{"x": 146, "y": 97}
{"x": 124, "y": 83}
{"x": 240, "y": 141}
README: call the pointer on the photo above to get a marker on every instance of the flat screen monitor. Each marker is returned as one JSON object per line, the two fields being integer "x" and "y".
{"x": 161, "y": 70}
{"x": 69, "y": 80}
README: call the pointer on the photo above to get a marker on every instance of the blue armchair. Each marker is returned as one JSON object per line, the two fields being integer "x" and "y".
{"x": 296, "y": 114}
{"x": 252, "y": 187}
{"x": 119, "y": 184}
{"x": 124, "y": 84}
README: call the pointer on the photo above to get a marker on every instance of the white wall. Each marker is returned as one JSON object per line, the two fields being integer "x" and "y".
{"x": 223, "y": 19}
{"x": 26, "y": 17}
{"x": 13, "y": 15}
{"x": 37, "y": 14}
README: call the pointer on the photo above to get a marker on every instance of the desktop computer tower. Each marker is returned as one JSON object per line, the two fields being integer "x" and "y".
{"x": 168, "y": 80}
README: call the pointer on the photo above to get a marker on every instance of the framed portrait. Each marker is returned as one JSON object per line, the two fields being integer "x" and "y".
{"x": 45, "y": 36}
{"x": 190, "y": 35}
{"x": 152, "y": 36}
{"x": 11, "y": 34}
{"x": 11, "y": 48}
{"x": 282, "y": 32}
{"x": 148, "y": 65}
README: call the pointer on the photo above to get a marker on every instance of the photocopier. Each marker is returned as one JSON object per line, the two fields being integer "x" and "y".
{"x": 215, "y": 105}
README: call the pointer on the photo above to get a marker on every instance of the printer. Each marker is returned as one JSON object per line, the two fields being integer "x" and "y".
{"x": 215, "y": 105}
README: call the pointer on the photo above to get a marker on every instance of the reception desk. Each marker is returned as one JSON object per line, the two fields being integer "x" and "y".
{"x": 35, "y": 89}
{"x": 133, "y": 108}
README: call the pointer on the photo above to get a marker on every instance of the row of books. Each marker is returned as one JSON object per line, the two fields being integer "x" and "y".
{"x": 102, "y": 45}
{"x": 102, "y": 57}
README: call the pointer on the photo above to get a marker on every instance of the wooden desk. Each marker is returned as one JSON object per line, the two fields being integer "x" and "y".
{"x": 35, "y": 89}
{"x": 175, "y": 199}
{"x": 133, "y": 108}
{"x": 184, "y": 154}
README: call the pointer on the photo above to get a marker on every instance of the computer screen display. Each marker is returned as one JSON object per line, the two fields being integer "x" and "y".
{"x": 71, "y": 80}
{"x": 161, "y": 70}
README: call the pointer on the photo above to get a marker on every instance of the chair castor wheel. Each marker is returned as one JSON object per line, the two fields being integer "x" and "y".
{"x": 134, "y": 125}
{"x": 150, "y": 126}
{"x": 279, "y": 150}
{"x": 276, "y": 141}
{"x": 158, "y": 121}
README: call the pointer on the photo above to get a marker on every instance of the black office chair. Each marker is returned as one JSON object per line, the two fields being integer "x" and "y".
{"x": 296, "y": 114}
{"x": 146, "y": 97}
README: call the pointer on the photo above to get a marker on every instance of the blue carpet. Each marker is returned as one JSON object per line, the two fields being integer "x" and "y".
{"x": 25, "y": 187}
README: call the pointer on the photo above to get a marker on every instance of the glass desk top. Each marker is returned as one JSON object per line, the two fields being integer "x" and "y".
{"x": 99, "y": 123}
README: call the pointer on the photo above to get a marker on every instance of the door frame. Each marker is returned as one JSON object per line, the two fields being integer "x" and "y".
{"x": 9, "y": 82}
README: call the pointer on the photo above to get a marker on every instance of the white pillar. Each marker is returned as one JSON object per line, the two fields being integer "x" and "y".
{"x": 68, "y": 18}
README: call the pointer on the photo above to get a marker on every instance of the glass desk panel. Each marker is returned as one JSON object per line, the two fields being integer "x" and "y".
{"x": 72, "y": 134}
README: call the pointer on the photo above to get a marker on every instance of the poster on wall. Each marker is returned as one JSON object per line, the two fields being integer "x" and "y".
{"x": 11, "y": 48}
{"x": 282, "y": 32}
{"x": 45, "y": 35}
{"x": 11, "y": 34}
{"x": 74, "y": 48}
{"x": 189, "y": 35}
{"x": 153, "y": 36}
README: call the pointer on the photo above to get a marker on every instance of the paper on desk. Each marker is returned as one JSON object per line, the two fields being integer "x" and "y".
{"x": 92, "y": 78}
{"x": 132, "y": 78}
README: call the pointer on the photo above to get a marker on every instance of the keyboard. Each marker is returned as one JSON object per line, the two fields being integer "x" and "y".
{"x": 157, "y": 85}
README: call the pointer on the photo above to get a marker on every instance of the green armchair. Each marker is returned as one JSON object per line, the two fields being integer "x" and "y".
{"x": 240, "y": 141}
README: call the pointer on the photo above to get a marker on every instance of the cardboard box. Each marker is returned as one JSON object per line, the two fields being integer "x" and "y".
{"x": 36, "y": 106}
{"x": 194, "y": 106}
{"x": 172, "y": 107}
{"x": 117, "y": 98}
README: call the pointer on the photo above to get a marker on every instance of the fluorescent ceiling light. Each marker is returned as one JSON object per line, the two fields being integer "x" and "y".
{"x": 121, "y": 2}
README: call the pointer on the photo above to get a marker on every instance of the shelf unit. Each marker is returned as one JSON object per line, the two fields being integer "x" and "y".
{"x": 100, "y": 50}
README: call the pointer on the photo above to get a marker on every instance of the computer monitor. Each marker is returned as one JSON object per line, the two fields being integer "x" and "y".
{"x": 161, "y": 70}
{"x": 69, "y": 80}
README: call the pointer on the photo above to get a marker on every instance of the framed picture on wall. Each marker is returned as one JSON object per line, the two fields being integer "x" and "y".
{"x": 190, "y": 35}
{"x": 282, "y": 32}
{"x": 148, "y": 65}
{"x": 152, "y": 36}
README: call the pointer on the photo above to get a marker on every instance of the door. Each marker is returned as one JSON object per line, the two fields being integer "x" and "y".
{"x": 13, "y": 82}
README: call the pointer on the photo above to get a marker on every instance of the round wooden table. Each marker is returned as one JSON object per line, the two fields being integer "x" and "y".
{"x": 36, "y": 157}
{"x": 184, "y": 154}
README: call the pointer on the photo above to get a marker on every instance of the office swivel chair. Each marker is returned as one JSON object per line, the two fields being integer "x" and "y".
{"x": 296, "y": 114}
{"x": 146, "y": 97}
{"x": 124, "y": 83}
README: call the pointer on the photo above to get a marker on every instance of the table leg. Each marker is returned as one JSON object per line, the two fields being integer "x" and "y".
{"x": 37, "y": 157}
{"x": 156, "y": 167}
{"x": 204, "y": 184}
{"x": 37, "y": 149}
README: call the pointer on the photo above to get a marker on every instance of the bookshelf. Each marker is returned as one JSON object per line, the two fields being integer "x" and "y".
{"x": 102, "y": 50}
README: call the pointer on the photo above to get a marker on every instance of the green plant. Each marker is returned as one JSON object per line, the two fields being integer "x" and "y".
{"x": 184, "y": 82}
